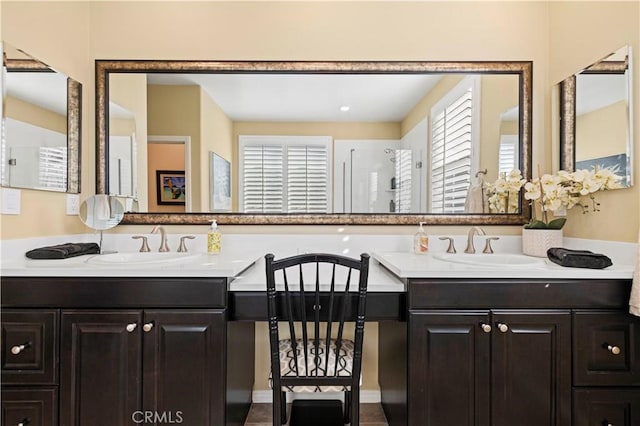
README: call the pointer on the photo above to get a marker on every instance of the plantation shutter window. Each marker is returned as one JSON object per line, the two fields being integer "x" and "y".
{"x": 508, "y": 154}
{"x": 52, "y": 170}
{"x": 453, "y": 142}
{"x": 285, "y": 174}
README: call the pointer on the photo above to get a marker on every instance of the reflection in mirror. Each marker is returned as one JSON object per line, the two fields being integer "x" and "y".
{"x": 596, "y": 111}
{"x": 101, "y": 212}
{"x": 327, "y": 139}
{"x": 40, "y": 125}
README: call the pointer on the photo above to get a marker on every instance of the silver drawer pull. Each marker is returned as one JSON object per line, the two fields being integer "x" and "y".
{"x": 131, "y": 327}
{"x": 503, "y": 327}
{"x": 19, "y": 348}
{"x": 485, "y": 327}
{"x": 613, "y": 349}
{"x": 147, "y": 327}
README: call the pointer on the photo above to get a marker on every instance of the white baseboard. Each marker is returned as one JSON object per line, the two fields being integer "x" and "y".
{"x": 265, "y": 396}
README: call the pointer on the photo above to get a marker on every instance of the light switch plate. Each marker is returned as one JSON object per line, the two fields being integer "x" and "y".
{"x": 11, "y": 201}
{"x": 73, "y": 204}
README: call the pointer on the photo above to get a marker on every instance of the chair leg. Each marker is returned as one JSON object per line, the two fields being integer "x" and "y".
{"x": 355, "y": 406}
{"x": 276, "y": 408}
{"x": 347, "y": 406}
{"x": 283, "y": 408}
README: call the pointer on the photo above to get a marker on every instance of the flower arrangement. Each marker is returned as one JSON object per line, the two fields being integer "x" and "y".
{"x": 552, "y": 192}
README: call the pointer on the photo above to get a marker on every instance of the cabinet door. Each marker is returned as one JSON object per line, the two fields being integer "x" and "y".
{"x": 531, "y": 368}
{"x": 29, "y": 343}
{"x": 598, "y": 407}
{"x": 449, "y": 368}
{"x": 29, "y": 406}
{"x": 184, "y": 365}
{"x": 606, "y": 349}
{"x": 100, "y": 368}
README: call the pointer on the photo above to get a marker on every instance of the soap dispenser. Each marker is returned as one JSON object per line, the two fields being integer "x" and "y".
{"x": 214, "y": 239}
{"x": 421, "y": 241}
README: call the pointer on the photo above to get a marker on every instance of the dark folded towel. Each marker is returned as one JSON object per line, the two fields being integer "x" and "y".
{"x": 578, "y": 258}
{"x": 63, "y": 251}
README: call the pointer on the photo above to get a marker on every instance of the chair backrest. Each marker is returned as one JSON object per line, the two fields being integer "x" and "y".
{"x": 318, "y": 289}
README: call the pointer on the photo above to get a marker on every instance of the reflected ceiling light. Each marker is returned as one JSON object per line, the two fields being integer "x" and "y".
{"x": 345, "y": 108}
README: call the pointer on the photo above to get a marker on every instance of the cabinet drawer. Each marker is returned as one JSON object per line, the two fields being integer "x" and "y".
{"x": 29, "y": 346}
{"x": 33, "y": 407}
{"x": 606, "y": 349}
{"x": 597, "y": 407}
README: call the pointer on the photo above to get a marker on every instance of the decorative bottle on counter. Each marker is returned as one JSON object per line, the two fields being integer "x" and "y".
{"x": 421, "y": 241}
{"x": 392, "y": 206}
{"x": 214, "y": 239}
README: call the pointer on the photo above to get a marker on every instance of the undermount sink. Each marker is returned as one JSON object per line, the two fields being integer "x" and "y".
{"x": 139, "y": 258}
{"x": 481, "y": 259}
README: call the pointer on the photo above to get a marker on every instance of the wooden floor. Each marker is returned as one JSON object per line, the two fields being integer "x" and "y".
{"x": 370, "y": 415}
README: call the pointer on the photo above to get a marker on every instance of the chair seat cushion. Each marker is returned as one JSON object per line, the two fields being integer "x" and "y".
{"x": 288, "y": 363}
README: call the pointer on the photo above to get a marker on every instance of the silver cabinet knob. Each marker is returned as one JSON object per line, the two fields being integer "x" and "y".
{"x": 147, "y": 327}
{"x": 18, "y": 348}
{"x": 503, "y": 327}
{"x": 485, "y": 327}
{"x": 131, "y": 327}
{"x": 613, "y": 349}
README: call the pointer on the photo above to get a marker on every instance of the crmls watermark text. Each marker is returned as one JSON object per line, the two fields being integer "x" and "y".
{"x": 166, "y": 417}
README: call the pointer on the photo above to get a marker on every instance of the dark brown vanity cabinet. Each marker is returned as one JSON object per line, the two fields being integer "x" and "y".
{"x": 504, "y": 352}
{"x": 124, "y": 351}
{"x": 122, "y": 365}
{"x": 499, "y": 367}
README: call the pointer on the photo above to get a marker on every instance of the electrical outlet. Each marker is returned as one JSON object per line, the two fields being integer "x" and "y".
{"x": 73, "y": 204}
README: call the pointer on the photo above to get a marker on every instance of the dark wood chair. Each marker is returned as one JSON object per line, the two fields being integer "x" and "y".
{"x": 317, "y": 296}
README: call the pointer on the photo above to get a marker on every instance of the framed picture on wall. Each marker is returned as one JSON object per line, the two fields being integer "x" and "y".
{"x": 220, "y": 196}
{"x": 171, "y": 187}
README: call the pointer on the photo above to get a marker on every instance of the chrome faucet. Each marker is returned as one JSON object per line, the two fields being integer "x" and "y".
{"x": 475, "y": 230}
{"x": 164, "y": 247}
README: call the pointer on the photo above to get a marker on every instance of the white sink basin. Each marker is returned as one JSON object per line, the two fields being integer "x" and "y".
{"x": 138, "y": 258}
{"x": 481, "y": 259}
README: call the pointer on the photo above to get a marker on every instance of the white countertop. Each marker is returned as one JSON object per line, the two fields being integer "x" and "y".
{"x": 380, "y": 280}
{"x": 197, "y": 265}
{"x": 409, "y": 265}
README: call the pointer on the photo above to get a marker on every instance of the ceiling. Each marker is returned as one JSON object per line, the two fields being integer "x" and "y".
{"x": 309, "y": 97}
{"x": 48, "y": 90}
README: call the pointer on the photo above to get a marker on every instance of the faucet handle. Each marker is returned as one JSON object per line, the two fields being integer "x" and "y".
{"x": 183, "y": 246}
{"x": 451, "y": 248}
{"x": 487, "y": 246}
{"x": 145, "y": 246}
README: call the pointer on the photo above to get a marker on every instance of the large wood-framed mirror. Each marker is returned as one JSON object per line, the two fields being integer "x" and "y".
{"x": 310, "y": 142}
{"x": 596, "y": 117}
{"x": 41, "y": 125}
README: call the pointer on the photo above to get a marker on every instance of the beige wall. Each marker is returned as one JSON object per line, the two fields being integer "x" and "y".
{"x": 57, "y": 34}
{"x": 217, "y": 136}
{"x": 581, "y": 33}
{"x": 130, "y": 92}
{"x": 34, "y": 114}
{"x": 175, "y": 111}
{"x": 602, "y": 132}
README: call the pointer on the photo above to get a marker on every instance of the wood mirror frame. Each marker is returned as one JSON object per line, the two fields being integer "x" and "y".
{"x": 74, "y": 118}
{"x": 523, "y": 69}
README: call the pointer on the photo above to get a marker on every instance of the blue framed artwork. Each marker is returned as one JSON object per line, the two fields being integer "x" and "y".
{"x": 171, "y": 187}
{"x": 618, "y": 163}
